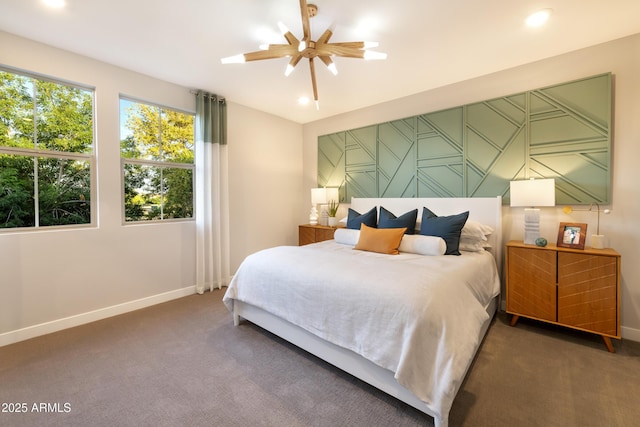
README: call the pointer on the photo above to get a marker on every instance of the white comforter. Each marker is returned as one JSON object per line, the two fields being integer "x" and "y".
{"x": 417, "y": 316}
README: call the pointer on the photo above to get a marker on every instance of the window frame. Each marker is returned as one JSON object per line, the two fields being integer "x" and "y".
{"x": 35, "y": 153}
{"x": 154, "y": 163}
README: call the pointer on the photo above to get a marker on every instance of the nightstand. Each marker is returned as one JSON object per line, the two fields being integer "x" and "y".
{"x": 308, "y": 233}
{"x": 578, "y": 289}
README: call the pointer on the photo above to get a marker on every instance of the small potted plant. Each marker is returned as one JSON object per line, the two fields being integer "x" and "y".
{"x": 333, "y": 210}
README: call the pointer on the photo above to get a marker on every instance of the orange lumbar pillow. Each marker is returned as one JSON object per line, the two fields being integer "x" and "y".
{"x": 381, "y": 240}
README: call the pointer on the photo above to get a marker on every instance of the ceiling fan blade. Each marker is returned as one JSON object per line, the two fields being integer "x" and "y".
{"x": 313, "y": 79}
{"x": 292, "y": 64}
{"x": 274, "y": 51}
{"x": 326, "y": 59}
{"x": 354, "y": 45}
{"x": 328, "y": 49}
{"x": 291, "y": 39}
{"x": 306, "y": 28}
{"x": 295, "y": 59}
{"x": 324, "y": 38}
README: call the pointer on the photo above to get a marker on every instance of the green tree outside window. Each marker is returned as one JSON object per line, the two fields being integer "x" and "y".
{"x": 46, "y": 149}
{"x": 157, "y": 150}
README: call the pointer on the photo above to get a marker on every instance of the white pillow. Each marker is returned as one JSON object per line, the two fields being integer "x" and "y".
{"x": 411, "y": 243}
{"x": 473, "y": 245}
{"x": 475, "y": 230}
{"x": 346, "y": 236}
{"x": 422, "y": 245}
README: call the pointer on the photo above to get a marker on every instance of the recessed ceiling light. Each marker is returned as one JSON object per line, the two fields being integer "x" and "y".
{"x": 539, "y": 18}
{"x": 303, "y": 100}
{"x": 57, "y": 4}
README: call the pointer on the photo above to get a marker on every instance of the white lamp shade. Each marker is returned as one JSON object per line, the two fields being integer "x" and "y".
{"x": 332, "y": 194}
{"x": 533, "y": 192}
{"x": 318, "y": 196}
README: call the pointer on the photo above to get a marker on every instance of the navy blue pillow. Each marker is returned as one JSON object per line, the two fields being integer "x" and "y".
{"x": 427, "y": 213}
{"x": 447, "y": 227}
{"x": 354, "y": 219}
{"x": 389, "y": 220}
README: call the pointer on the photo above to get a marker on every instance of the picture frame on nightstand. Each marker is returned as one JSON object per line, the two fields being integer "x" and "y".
{"x": 572, "y": 235}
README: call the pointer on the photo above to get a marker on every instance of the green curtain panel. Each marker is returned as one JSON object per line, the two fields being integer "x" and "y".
{"x": 213, "y": 266}
{"x": 211, "y": 118}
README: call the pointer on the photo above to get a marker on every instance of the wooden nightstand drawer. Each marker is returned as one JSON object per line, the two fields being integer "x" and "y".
{"x": 587, "y": 297}
{"x": 308, "y": 233}
{"x": 532, "y": 283}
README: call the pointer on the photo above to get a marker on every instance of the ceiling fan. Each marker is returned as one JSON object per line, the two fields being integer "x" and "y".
{"x": 310, "y": 49}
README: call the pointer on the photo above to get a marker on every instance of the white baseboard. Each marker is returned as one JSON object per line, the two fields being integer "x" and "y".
{"x": 11, "y": 337}
{"x": 630, "y": 334}
{"x": 91, "y": 316}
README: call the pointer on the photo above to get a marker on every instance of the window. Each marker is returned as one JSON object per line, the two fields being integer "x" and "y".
{"x": 156, "y": 146}
{"x": 46, "y": 152}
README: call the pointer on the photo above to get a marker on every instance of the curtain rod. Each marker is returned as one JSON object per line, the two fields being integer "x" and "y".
{"x": 220, "y": 98}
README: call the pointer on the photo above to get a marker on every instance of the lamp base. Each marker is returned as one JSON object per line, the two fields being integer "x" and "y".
{"x": 324, "y": 217}
{"x": 597, "y": 241}
{"x": 313, "y": 215}
{"x": 531, "y": 225}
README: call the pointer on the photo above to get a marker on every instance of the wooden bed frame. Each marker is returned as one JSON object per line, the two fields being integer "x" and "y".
{"x": 485, "y": 210}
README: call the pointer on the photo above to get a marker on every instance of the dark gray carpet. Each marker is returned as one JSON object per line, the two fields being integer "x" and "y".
{"x": 183, "y": 363}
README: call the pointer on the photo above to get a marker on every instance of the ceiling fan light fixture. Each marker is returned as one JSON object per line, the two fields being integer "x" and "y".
{"x": 289, "y": 70}
{"x": 312, "y": 9}
{"x": 235, "y": 59}
{"x": 370, "y": 54}
{"x": 308, "y": 48}
{"x": 283, "y": 28}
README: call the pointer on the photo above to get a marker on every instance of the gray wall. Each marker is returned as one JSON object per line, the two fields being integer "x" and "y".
{"x": 55, "y": 279}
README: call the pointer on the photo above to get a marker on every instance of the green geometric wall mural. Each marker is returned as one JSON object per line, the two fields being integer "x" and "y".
{"x": 397, "y": 158}
{"x": 440, "y": 154}
{"x": 361, "y": 162}
{"x": 496, "y": 133}
{"x": 562, "y": 132}
{"x": 331, "y": 170}
{"x": 571, "y": 138}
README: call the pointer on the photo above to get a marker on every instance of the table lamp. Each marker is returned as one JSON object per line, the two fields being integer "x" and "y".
{"x": 318, "y": 197}
{"x": 597, "y": 240}
{"x": 532, "y": 193}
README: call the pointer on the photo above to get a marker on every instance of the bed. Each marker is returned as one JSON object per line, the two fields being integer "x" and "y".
{"x": 408, "y": 324}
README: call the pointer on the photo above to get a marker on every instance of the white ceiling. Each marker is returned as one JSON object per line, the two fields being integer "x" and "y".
{"x": 430, "y": 43}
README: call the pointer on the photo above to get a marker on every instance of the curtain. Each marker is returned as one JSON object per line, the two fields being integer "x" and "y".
{"x": 212, "y": 194}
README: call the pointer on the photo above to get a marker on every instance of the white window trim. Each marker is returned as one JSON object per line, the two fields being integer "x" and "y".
{"x": 91, "y": 157}
{"x": 127, "y": 160}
